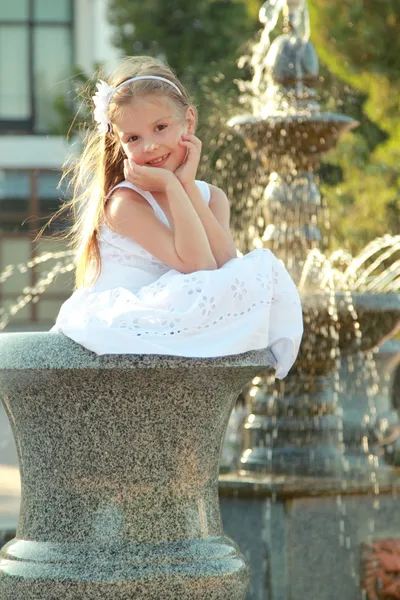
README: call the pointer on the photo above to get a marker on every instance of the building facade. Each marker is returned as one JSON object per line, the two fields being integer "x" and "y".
{"x": 42, "y": 42}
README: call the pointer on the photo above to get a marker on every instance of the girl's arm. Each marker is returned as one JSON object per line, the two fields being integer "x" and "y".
{"x": 190, "y": 237}
{"x": 186, "y": 248}
{"x": 217, "y": 230}
{"x": 215, "y": 221}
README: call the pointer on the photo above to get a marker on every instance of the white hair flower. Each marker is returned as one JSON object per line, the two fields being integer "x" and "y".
{"x": 101, "y": 101}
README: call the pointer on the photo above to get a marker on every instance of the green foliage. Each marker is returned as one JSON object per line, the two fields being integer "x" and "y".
{"x": 195, "y": 38}
{"x": 358, "y": 45}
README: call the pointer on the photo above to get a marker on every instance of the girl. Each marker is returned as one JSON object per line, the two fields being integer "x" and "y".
{"x": 157, "y": 271}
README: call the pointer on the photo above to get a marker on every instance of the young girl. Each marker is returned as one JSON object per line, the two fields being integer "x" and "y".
{"x": 157, "y": 270}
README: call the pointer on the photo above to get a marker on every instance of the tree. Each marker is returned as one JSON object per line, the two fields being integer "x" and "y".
{"x": 196, "y": 38}
{"x": 359, "y": 48}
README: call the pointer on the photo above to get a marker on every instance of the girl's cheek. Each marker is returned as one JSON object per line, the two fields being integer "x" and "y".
{"x": 125, "y": 150}
{"x": 130, "y": 154}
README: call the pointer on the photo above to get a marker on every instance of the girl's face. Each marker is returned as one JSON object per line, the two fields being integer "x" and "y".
{"x": 150, "y": 129}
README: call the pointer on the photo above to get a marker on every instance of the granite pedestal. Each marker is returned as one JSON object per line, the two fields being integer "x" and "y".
{"x": 119, "y": 461}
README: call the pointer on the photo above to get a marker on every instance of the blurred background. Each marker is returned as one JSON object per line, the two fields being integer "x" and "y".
{"x": 50, "y": 50}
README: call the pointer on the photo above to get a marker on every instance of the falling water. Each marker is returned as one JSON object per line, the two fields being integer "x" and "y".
{"x": 31, "y": 294}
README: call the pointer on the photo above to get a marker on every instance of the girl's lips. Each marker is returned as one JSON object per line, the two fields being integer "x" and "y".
{"x": 159, "y": 164}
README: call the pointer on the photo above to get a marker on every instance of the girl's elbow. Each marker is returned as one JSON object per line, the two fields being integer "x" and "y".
{"x": 212, "y": 265}
{"x": 208, "y": 265}
{"x": 223, "y": 260}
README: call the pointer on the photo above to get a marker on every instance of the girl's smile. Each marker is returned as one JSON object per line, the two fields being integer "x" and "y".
{"x": 158, "y": 162}
{"x": 150, "y": 129}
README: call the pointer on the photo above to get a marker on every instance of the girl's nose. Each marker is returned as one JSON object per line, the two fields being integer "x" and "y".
{"x": 150, "y": 146}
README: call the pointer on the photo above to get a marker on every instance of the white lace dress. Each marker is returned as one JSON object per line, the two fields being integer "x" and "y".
{"x": 139, "y": 305}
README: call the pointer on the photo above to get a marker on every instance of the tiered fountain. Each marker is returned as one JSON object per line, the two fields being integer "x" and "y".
{"x": 312, "y": 480}
{"x": 350, "y": 305}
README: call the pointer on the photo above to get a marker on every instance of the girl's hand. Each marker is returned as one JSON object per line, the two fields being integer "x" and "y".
{"x": 186, "y": 173}
{"x": 150, "y": 179}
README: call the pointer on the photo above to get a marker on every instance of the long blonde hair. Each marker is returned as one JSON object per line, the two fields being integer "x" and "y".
{"x": 100, "y": 166}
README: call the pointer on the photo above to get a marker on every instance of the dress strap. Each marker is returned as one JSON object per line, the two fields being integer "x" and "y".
{"x": 204, "y": 190}
{"x": 132, "y": 186}
{"x": 202, "y": 185}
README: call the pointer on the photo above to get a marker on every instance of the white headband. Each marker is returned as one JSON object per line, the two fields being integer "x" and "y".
{"x": 104, "y": 94}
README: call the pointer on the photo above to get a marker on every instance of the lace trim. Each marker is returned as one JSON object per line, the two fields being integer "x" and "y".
{"x": 204, "y": 312}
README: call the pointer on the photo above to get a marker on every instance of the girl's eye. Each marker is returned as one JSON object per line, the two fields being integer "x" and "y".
{"x": 133, "y": 138}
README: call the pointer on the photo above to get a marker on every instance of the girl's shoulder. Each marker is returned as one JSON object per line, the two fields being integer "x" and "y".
{"x": 217, "y": 196}
{"x": 220, "y": 205}
{"x": 125, "y": 186}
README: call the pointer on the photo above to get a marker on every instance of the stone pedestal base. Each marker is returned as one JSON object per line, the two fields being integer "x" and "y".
{"x": 119, "y": 461}
{"x": 211, "y": 568}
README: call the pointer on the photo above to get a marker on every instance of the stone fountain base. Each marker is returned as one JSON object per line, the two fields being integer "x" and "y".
{"x": 305, "y": 537}
{"x": 308, "y": 536}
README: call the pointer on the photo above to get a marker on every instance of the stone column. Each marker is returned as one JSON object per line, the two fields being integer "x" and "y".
{"x": 119, "y": 461}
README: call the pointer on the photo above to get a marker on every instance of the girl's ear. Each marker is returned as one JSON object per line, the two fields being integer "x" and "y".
{"x": 191, "y": 119}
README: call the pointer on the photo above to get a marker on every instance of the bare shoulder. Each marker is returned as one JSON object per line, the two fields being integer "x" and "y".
{"x": 218, "y": 196}
{"x": 124, "y": 195}
{"x": 124, "y": 202}
{"x": 219, "y": 206}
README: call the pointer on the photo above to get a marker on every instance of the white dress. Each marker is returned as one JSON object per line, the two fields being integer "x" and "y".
{"x": 139, "y": 305}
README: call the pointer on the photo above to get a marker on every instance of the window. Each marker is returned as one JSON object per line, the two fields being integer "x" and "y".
{"x": 27, "y": 200}
{"x": 14, "y": 194}
{"x": 35, "y": 62}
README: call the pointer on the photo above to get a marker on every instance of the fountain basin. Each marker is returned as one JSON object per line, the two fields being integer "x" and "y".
{"x": 376, "y": 317}
{"x": 292, "y": 133}
{"x": 119, "y": 462}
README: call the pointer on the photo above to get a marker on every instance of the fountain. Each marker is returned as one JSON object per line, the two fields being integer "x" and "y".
{"x": 314, "y": 483}
{"x": 350, "y": 305}
{"x": 33, "y": 293}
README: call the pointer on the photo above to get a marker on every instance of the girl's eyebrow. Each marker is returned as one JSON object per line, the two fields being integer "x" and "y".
{"x": 161, "y": 119}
